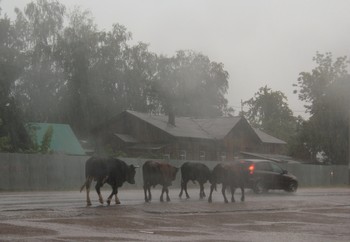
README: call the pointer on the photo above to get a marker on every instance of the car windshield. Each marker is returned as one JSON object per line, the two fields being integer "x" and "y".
{"x": 276, "y": 168}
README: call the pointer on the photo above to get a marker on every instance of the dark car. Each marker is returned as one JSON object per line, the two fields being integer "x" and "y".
{"x": 264, "y": 175}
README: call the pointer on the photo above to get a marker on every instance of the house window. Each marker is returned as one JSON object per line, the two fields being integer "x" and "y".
{"x": 202, "y": 155}
{"x": 182, "y": 154}
{"x": 166, "y": 156}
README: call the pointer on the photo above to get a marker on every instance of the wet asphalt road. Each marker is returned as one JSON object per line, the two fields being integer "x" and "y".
{"x": 318, "y": 214}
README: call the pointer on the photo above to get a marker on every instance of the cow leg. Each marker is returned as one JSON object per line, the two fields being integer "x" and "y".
{"x": 211, "y": 192}
{"x": 88, "y": 184}
{"x": 201, "y": 191}
{"x": 223, "y": 191}
{"x": 112, "y": 193}
{"x": 97, "y": 187}
{"x": 182, "y": 188}
{"x": 161, "y": 195}
{"x": 145, "y": 189}
{"x": 232, "y": 194}
{"x": 167, "y": 194}
{"x": 117, "y": 201}
{"x": 185, "y": 186}
{"x": 110, "y": 198}
{"x": 242, "y": 196}
{"x": 149, "y": 193}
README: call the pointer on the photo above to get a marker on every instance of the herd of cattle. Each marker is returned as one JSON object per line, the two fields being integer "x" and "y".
{"x": 115, "y": 172}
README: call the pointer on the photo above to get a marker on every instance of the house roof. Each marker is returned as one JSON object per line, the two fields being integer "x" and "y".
{"x": 210, "y": 128}
{"x": 126, "y": 138}
{"x": 274, "y": 157}
{"x": 266, "y": 138}
{"x": 219, "y": 127}
{"x": 63, "y": 139}
{"x": 214, "y": 128}
{"x": 147, "y": 146}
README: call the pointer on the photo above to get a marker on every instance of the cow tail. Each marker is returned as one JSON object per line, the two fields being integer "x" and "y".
{"x": 104, "y": 179}
{"x": 85, "y": 183}
{"x": 82, "y": 187}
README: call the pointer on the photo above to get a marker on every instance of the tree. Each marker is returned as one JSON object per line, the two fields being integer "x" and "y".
{"x": 37, "y": 31}
{"x": 78, "y": 52}
{"x": 104, "y": 74}
{"x": 268, "y": 110}
{"x": 191, "y": 84}
{"x": 13, "y": 136}
{"x": 140, "y": 72}
{"x": 74, "y": 73}
{"x": 313, "y": 86}
{"x": 326, "y": 90}
{"x": 123, "y": 73}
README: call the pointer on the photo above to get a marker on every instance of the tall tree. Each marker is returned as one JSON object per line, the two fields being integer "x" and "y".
{"x": 79, "y": 75}
{"x": 140, "y": 72}
{"x": 38, "y": 29}
{"x": 13, "y": 136}
{"x": 326, "y": 90}
{"x": 78, "y": 50}
{"x": 268, "y": 110}
{"x": 191, "y": 84}
{"x": 123, "y": 73}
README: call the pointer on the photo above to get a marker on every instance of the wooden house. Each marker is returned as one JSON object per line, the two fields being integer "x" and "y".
{"x": 144, "y": 135}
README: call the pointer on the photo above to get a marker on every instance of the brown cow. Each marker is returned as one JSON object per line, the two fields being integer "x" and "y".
{"x": 231, "y": 175}
{"x": 158, "y": 172}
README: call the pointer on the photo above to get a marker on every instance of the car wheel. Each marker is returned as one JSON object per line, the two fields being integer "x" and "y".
{"x": 293, "y": 186}
{"x": 259, "y": 187}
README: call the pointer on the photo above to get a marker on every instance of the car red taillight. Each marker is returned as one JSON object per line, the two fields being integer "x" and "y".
{"x": 251, "y": 169}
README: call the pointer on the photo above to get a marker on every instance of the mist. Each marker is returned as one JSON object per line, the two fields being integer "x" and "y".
{"x": 259, "y": 43}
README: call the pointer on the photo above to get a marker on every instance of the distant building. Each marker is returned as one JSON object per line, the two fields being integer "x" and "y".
{"x": 145, "y": 135}
{"x": 63, "y": 139}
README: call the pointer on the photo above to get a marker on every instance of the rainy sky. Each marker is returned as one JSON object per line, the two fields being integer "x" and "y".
{"x": 260, "y": 42}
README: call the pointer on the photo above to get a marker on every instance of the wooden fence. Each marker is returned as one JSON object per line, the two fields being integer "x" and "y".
{"x": 27, "y": 172}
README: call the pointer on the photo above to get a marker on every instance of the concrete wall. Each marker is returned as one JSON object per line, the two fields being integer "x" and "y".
{"x": 25, "y": 172}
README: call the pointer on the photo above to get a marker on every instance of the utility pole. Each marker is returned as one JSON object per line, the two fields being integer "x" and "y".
{"x": 349, "y": 148}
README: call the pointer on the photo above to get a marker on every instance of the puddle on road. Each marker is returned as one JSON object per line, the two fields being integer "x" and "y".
{"x": 27, "y": 209}
{"x": 265, "y": 223}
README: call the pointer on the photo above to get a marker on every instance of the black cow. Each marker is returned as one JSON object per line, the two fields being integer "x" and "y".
{"x": 194, "y": 171}
{"x": 231, "y": 175}
{"x": 158, "y": 172}
{"x": 107, "y": 170}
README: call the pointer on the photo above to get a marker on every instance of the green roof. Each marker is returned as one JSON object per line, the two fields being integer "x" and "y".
{"x": 63, "y": 139}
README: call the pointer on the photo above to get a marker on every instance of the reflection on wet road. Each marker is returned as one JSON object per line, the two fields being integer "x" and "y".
{"x": 309, "y": 215}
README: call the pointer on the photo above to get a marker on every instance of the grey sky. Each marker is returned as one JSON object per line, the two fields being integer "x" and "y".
{"x": 260, "y": 42}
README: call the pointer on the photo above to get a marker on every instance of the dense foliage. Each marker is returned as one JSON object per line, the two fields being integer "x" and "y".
{"x": 326, "y": 90}
{"x": 13, "y": 136}
{"x": 268, "y": 110}
{"x": 59, "y": 67}
{"x": 324, "y": 137}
